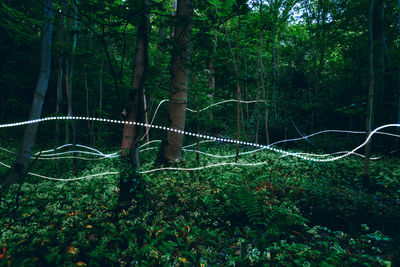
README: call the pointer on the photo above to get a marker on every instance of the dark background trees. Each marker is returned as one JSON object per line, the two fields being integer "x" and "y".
{"x": 314, "y": 65}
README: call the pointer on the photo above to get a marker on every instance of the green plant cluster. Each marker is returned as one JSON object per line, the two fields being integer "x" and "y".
{"x": 286, "y": 212}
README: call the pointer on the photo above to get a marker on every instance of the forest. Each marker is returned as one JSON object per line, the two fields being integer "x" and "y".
{"x": 200, "y": 133}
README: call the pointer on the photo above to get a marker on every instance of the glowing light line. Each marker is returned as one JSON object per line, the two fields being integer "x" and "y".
{"x": 9, "y": 151}
{"x": 225, "y": 101}
{"x": 66, "y": 145}
{"x": 269, "y": 147}
{"x": 72, "y": 179}
{"x": 205, "y": 167}
{"x": 329, "y": 131}
{"x": 146, "y": 144}
{"x": 334, "y": 153}
{"x": 154, "y": 116}
{"x": 191, "y": 110}
{"x": 221, "y": 156}
{"x": 50, "y": 157}
{"x": 201, "y": 142}
{"x": 74, "y": 151}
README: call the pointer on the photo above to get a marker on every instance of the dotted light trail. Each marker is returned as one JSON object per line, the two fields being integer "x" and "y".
{"x": 227, "y": 140}
{"x": 269, "y": 147}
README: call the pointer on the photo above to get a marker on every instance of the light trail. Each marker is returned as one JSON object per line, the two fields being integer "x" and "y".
{"x": 329, "y": 131}
{"x": 191, "y": 110}
{"x": 212, "y": 138}
{"x": 227, "y": 140}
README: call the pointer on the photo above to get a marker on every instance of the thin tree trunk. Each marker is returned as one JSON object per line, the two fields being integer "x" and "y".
{"x": 145, "y": 117}
{"x": 212, "y": 69}
{"x": 238, "y": 105}
{"x": 91, "y": 135}
{"x": 379, "y": 63}
{"x": 171, "y": 148}
{"x": 239, "y": 93}
{"x": 246, "y": 74}
{"x": 21, "y": 164}
{"x": 101, "y": 86}
{"x": 100, "y": 95}
{"x": 211, "y": 82}
{"x": 258, "y": 102}
{"x": 197, "y": 127}
{"x": 398, "y": 87}
{"x": 261, "y": 66}
{"x": 274, "y": 94}
{"x": 58, "y": 104}
{"x": 236, "y": 68}
{"x": 370, "y": 94}
{"x": 59, "y": 80}
{"x": 130, "y": 181}
{"x": 69, "y": 83}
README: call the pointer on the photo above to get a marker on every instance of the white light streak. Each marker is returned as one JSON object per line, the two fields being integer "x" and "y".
{"x": 269, "y": 147}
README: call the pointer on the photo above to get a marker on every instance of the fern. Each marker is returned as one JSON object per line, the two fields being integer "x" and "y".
{"x": 248, "y": 201}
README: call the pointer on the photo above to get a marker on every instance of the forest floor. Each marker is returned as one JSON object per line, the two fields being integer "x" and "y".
{"x": 285, "y": 212}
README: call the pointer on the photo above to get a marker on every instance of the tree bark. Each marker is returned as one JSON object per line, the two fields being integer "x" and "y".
{"x": 246, "y": 75}
{"x": 370, "y": 94}
{"x": 145, "y": 117}
{"x": 261, "y": 66}
{"x": 69, "y": 83}
{"x": 379, "y": 63}
{"x": 211, "y": 67}
{"x": 21, "y": 164}
{"x": 398, "y": 85}
{"x": 59, "y": 79}
{"x": 91, "y": 134}
{"x": 171, "y": 148}
{"x": 130, "y": 180}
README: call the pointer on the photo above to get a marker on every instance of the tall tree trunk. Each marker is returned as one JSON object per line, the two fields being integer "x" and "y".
{"x": 370, "y": 94}
{"x": 236, "y": 69}
{"x": 100, "y": 97}
{"x": 379, "y": 63}
{"x": 171, "y": 148}
{"x": 101, "y": 86}
{"x": 145, "y": 117}
{"x": 58, "y": 104}
{"x": 91, "y": 134}
{"x": 59, "y": 78}
{"x": 274, "y": 94}
{"x": 130, "y": 181}
{"x": 197, "y": 127}
{"x": 246, "y": 74}
{"x": 211, "y": 67}
{"x": 21, "y": 164}
{"x": 261, "y": 69}
{"x": 398, "y": 86}
{"x": 69, "y": 83}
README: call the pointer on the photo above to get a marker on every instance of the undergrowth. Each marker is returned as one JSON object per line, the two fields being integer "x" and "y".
{"x": 285, "y": 212}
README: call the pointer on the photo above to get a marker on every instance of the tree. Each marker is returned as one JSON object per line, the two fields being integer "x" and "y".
{"x": 370, "y": 93}
{"x": 171, "y": 148}
{"x": 379, "y": 62}
{"x": 130, "y": 179}
{"x": 21, "y": 164}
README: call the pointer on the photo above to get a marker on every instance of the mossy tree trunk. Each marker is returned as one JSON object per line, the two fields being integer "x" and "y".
{"x": 130, "y": 179}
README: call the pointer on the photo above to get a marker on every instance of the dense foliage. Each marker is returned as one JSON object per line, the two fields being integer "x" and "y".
{"x": 286, "y": 211}
{"x": 305, "y": 63}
